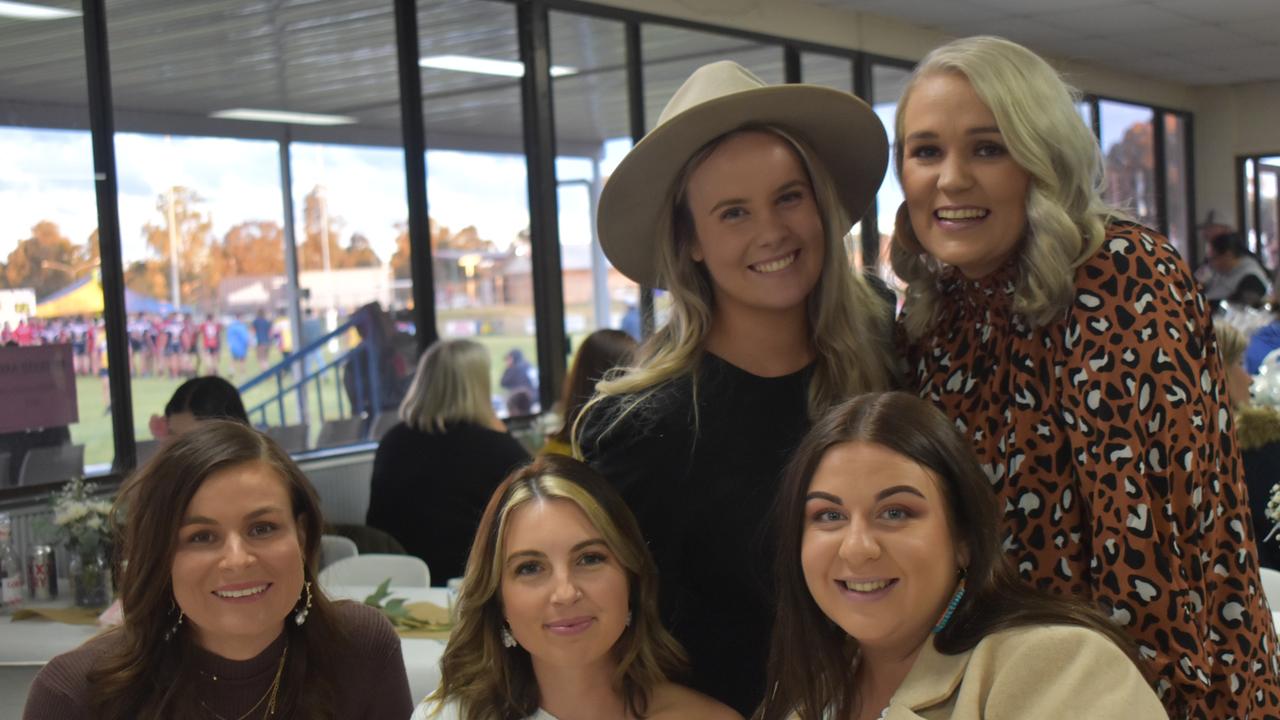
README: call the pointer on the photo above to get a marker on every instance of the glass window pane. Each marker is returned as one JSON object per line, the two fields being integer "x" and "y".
{"x": 672, "y": 54}
{"x": 1176, "y": 188}
{"x": 54, "y": 417}
{"x": 477, "y": 190}
{"x": 830, "y": 71}
{"x": 593, "y": 133}
{"x": 887, "y": 84}
{"x": 1085, "y": 109}
{"x": 202, "y": 203}
{"x": 1268, "y": 210}
{"x": 1128, "y": 148}
{"x": 1250, "y": 201}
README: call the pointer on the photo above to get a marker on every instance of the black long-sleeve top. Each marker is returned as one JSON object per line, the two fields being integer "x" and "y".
{"x": 429, "y": 489}
{"x": 704, "y": 498}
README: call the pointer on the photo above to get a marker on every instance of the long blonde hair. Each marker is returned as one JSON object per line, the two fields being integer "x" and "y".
{"x": 491, "y": 682}
{"x": 1066, "y": 215}
{"x": 451, "y": 385}
{"x": 850, "y": 322}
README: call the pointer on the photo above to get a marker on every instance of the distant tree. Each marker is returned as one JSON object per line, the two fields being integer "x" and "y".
{"x": 47, "y": 261}
{"x": 442, "y": 238}
{"x": 1131, "y": 172}
{"x": 254, "y": 247}
{"x": 197, "y": 278}
{"x": 321, "y": 227}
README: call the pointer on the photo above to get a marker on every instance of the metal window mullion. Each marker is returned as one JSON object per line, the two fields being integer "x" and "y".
{"x": 413, "y": 131}
{"x": 1189, "y": 163}
{"x": 1160, "y": 175}
{"x": 110, "y": 252}
{"x": 635, "y": 113}
{"x": 544, "y": 234}
{"x": 791, "y": 72}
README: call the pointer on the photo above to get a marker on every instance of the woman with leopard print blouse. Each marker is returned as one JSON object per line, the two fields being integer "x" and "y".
{"x": 1075, "y": 351}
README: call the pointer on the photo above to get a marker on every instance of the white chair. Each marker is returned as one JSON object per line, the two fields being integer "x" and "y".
{"x": 1271, "y": 587}
{"x": 372, "y": 569}
{"x": 334, "y": 548}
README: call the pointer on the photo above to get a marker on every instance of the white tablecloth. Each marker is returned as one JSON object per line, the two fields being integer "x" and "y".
{"x": 35, "y": 642}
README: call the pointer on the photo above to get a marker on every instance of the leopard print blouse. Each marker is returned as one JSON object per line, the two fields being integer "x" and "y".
{"x": 1107, "y": 438}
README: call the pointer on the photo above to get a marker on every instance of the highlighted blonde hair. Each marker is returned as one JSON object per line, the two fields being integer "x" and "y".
{"x": 1066, "y": 215}
{"x": 851, "y": 324}
{"x": 491, "y": 682}
{"x": 450, "y": 385}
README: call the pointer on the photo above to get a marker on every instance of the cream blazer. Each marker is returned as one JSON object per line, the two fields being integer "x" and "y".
{"x": 1046, "y": 672}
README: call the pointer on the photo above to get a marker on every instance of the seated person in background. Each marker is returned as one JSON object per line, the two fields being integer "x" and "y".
{"x": 435, "y": 470}
{"x": 559, "y": 611}
{"x": 895, "y": 599}
{"x": 1258, "y": 432}
{"x": 600, "y": 352}
{"x": 220, "y": 540}
{"x": 201, "y": 398}
{"x": 1232, "y": 273}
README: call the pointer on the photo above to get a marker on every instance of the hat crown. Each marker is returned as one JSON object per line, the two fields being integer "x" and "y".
{"x": 709, "y": 82}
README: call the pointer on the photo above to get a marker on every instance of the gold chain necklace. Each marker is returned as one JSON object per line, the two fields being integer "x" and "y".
{"x": 268, "y": 697}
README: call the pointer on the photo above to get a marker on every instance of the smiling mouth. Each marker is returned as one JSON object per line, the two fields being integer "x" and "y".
{"x": 961, "y": 213}
{"x": 572, "y": 626}
{"x": 243, "y": 592}
{"x": 773, "y": 266}
{"x": 872, "y": 586}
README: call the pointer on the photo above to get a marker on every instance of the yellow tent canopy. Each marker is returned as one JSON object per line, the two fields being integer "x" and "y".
{"x": 83, "y": 297}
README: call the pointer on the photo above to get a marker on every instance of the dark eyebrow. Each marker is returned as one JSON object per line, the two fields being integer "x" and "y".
{"x": 898, "y": 489}
{"x": 930, "y": 135}
{"x": 202, "y": 520}
{"x": 823, "y": 496}
{"x": 778, "y": 191}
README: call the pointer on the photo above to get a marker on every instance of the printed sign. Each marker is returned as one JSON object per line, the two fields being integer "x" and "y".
{"x": 37, "y": 387}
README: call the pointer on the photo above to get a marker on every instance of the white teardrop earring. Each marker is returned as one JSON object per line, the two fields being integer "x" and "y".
{"x": 301, "y": 616}
{"x": 508, "y": 640}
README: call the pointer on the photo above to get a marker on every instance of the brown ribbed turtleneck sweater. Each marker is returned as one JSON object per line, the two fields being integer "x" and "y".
{"x": 374, "y": 684}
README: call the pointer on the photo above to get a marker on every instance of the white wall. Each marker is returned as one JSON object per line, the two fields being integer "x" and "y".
{"x": 1230, "y": 121}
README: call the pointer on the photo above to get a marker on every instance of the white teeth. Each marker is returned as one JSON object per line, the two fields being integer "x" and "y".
{"x": 961, "y": 214}
{"x": 775, "y": 265}
{"x": 240, "y": 593}
{"x": 866, "y": 586}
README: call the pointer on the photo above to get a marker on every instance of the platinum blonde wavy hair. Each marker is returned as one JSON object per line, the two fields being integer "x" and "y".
{"x": 1066, "y": 215}
{"x": 450, "y": 385}
{"x": 851, "y": 323}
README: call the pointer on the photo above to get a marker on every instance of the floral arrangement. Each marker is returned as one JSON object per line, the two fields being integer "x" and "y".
{"x": 80, "y": 520}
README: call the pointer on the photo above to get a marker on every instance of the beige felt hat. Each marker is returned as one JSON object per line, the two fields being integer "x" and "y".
{"x": 843, "y": 132}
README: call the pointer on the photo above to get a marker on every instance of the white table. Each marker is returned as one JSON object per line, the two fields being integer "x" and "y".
{"x": 35, "y": 642}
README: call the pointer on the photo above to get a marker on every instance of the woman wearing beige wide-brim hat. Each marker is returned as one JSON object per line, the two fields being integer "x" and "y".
{"x": 737, "y": 204}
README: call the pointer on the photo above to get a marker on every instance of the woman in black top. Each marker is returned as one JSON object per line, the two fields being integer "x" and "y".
{"x": 435, "y": 470}
{"x": 737, "y": 203}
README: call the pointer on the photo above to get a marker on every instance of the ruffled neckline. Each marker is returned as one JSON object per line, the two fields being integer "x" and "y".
{"x": 991, "y": 292}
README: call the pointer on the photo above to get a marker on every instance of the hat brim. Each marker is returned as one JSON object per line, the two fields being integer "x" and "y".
{"x": 843, "y": 132}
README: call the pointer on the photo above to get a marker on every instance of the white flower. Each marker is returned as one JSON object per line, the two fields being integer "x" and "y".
{"x": 94, "y": 522}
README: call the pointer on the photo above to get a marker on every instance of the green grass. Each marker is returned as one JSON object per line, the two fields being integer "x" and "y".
{"x": 151, "y": 393}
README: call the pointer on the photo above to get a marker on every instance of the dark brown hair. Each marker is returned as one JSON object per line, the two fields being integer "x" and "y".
{"x": 811, "y": 657}
{"x": 148, "y": 676}
{"x": 491, "y": 682}
{"x": 600, "y": 352}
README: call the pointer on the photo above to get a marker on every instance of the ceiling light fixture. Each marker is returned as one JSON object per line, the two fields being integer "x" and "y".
{"x": 485, "y": 66}
{"x": 282, "y": 116}
{"x": 27, "y": 11}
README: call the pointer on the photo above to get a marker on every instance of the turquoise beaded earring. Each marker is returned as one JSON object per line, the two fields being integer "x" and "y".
{"x": 951, "y": 606}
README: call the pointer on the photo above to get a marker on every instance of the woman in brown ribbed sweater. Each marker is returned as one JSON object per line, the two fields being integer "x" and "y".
{"x": 221, "y": 533}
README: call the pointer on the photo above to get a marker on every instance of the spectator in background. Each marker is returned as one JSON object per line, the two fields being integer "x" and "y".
{"x": 312, "y": 330}
{"x": 6, "y": 333}
{"x": 1232, "y": 273}
{"x": 395, "y": 353}
{"x": 237, "y": 344}
{"x": 23, "y": 333}
{"x": 1258, "y": 433}
{"x": 435, "y": 470}
{"x": 210, "y": 343}
{"x": 631, "y": 322}
{"x": 203, "y": 398}
{"x": 262, "y": 338}
{"x": 517, "y": 378}
{"x": 600, "y": 352}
